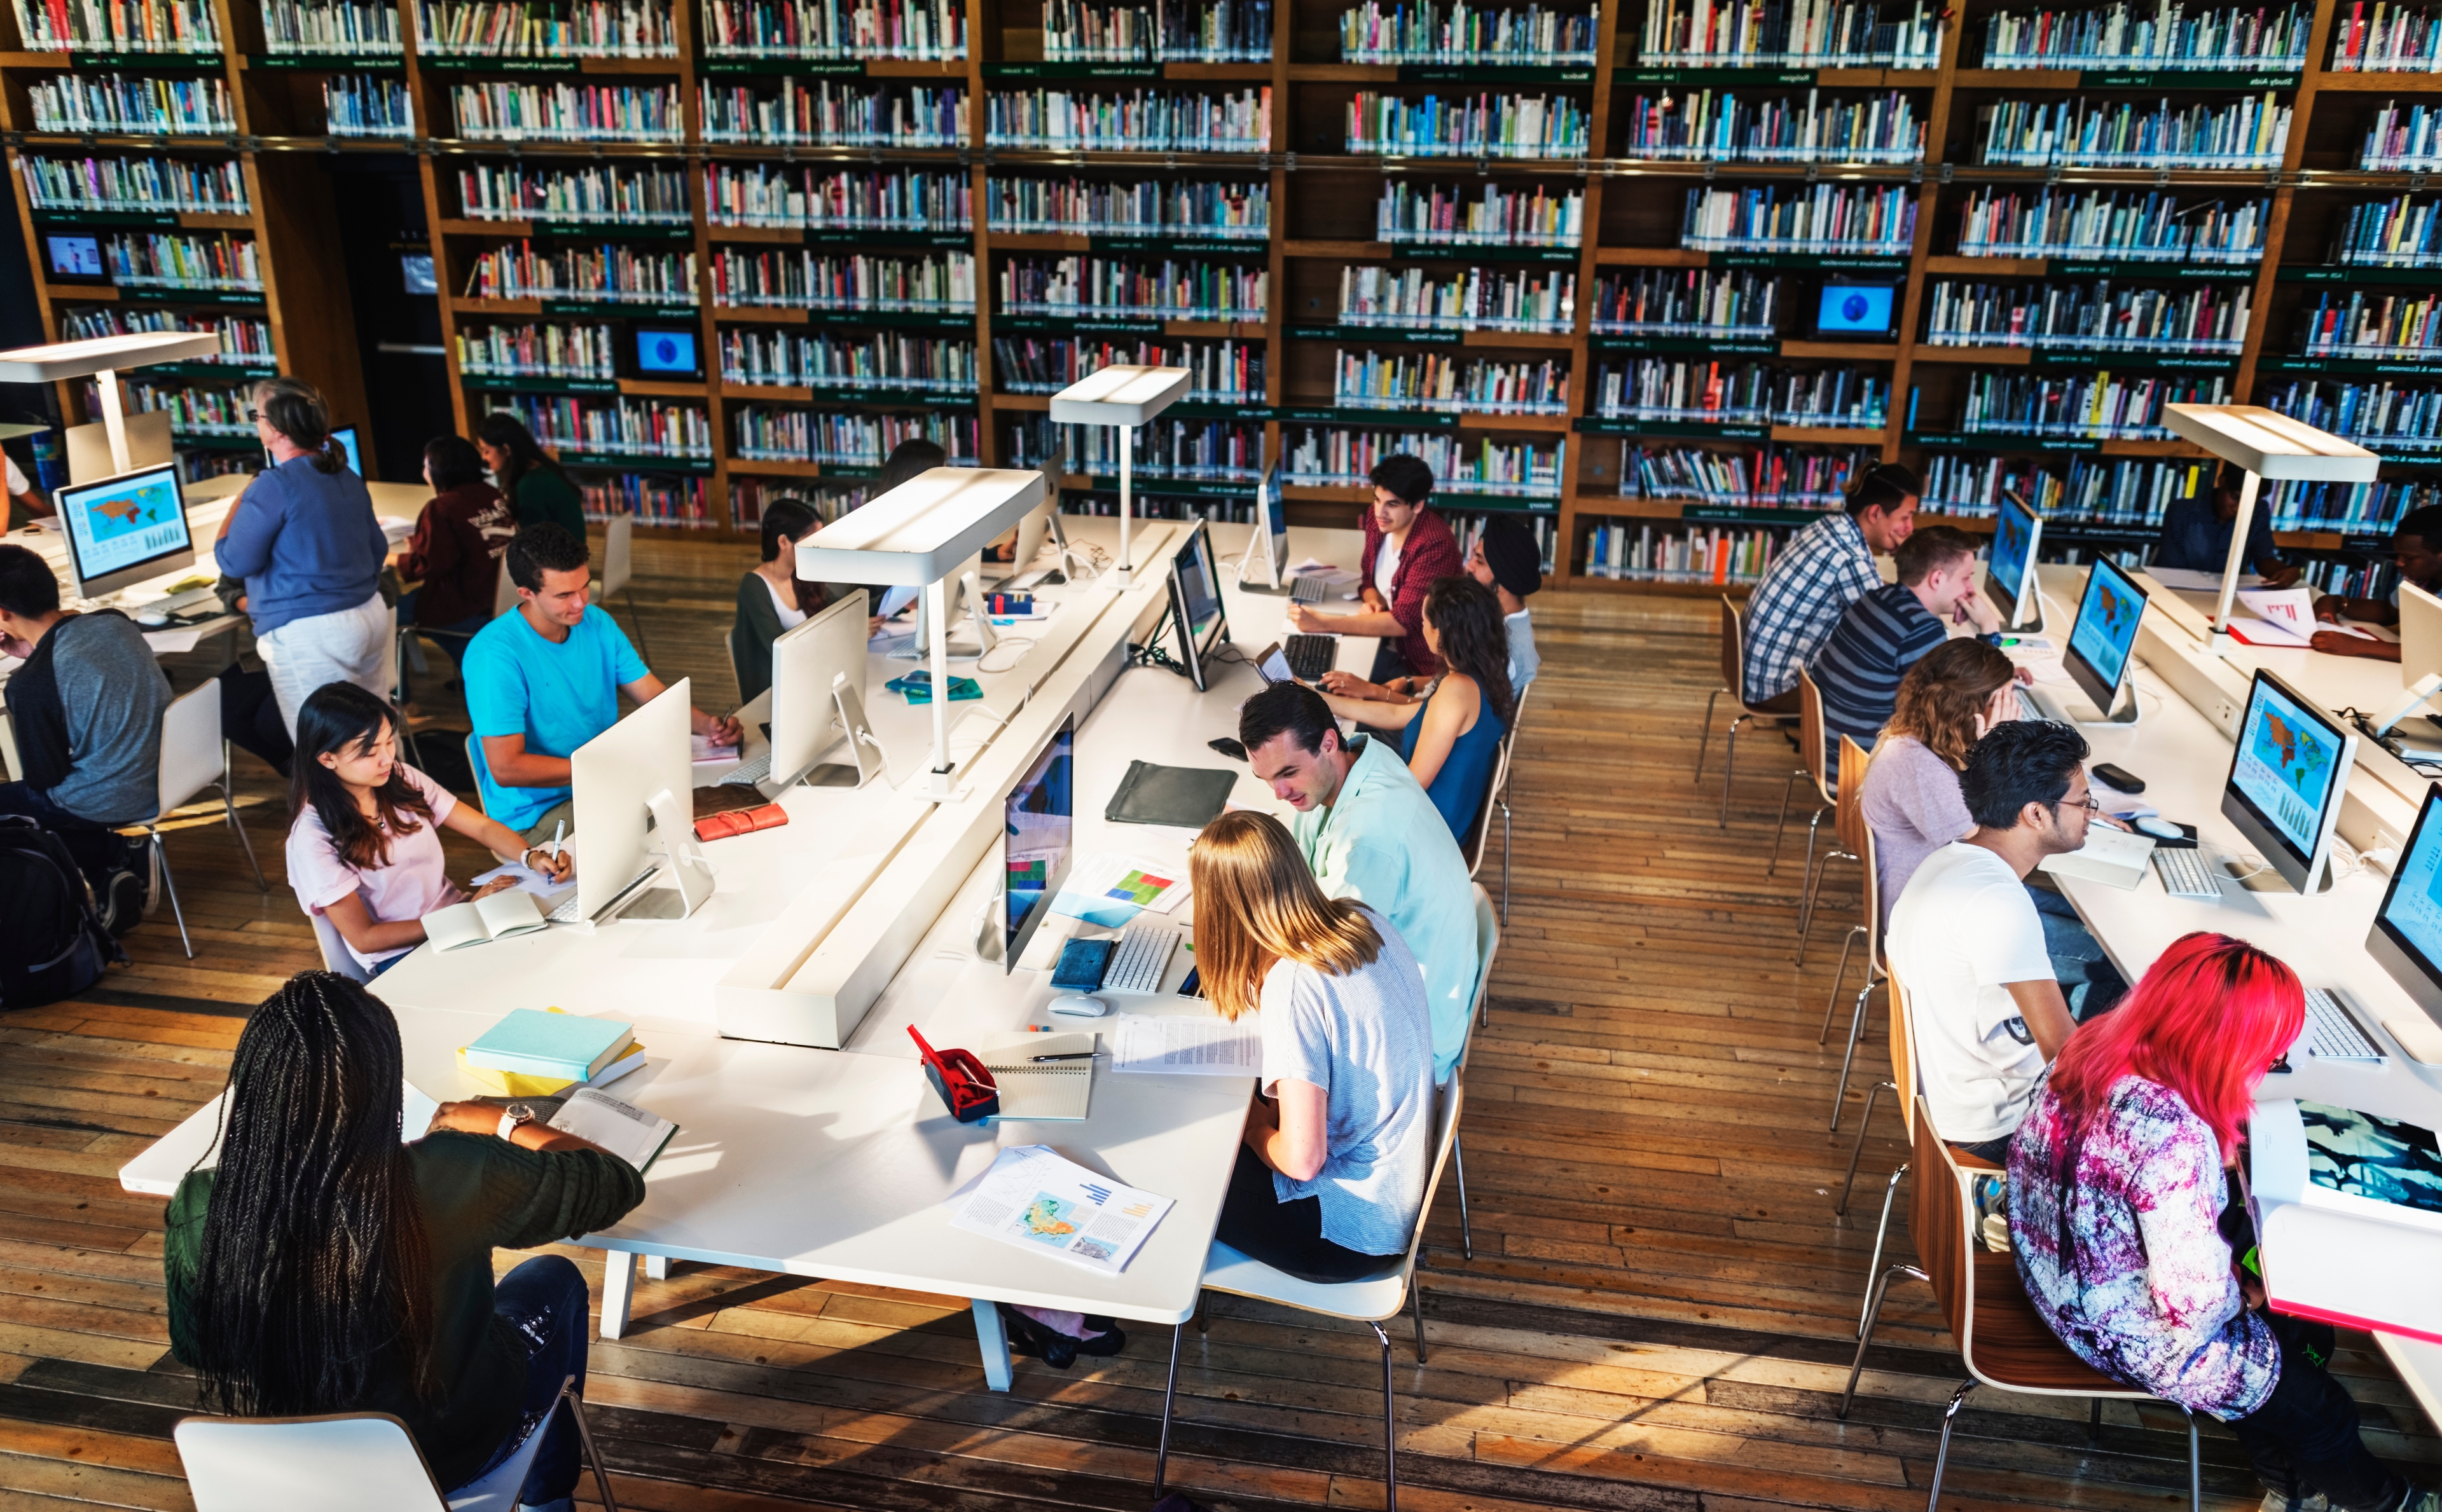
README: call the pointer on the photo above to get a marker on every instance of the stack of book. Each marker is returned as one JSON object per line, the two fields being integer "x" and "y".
{"x": 541, "y": 1053}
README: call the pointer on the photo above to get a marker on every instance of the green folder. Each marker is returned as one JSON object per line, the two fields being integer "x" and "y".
{"x": 1183, "y": 798}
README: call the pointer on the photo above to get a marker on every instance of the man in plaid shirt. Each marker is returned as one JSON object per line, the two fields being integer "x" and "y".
{"x": 1825, "y": 568}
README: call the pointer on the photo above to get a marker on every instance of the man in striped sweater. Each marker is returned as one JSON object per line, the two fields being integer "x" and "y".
{"x": 1883, "y": 634}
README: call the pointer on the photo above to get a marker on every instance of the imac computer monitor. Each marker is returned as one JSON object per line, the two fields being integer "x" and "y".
{"x": 805, "y": 663}
{"x": 2288, "y": 770}
{"x": 2015, "y": 536}
{"x": 2105, "y": 635}
{"x": 2420, "y": 655}
{"x": 1267, "y": 557}
{"x": 149, "y": 445}
{"x": 346, "y": 437}
{"x": 619, "y": 777}
{"x": 1039, "y": 839}
{"x": 2406, "y": 939}
{"x": 125, "y": 530}
{"x": 1195, "y": 603}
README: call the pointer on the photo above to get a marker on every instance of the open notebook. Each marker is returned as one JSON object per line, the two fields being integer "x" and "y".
{"x": 499, "y": 916}
{"x": 1054, "y": 1089}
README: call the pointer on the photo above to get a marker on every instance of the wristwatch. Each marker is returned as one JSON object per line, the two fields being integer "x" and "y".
{"x": 515, "y": 1114}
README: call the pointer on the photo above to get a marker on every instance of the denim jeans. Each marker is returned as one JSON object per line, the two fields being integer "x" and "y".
{"x": 544, "y": 1300}
{"x": 2304, "y": 1437}
{"x": 2092, "y": 985}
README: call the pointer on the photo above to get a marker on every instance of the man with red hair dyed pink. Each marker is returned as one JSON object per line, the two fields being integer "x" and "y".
{"x": 2117, "y": 1201}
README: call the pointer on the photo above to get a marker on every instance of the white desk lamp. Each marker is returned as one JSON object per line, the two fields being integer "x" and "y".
{"x": 2265, "y": 443}
{"x": 102, "y": 359}
{"x": 916, "y": 536}
{"x": 1127, "y": 395}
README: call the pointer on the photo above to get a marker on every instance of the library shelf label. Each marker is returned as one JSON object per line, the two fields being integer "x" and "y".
{"x": 2075, "y": 268}
{"x": 2180, "y": 78}
{"x": 109, "y": 218}
{"x": 595, "y": 229}
{"x": 495, "y": 381}
{"x": 2363, "y": 275}
{"x": 377, "y": 63}
{"x": 2001, "y": 441}
{"x": 963, "y": 241}
{"x": 1754, "y": 346}
{"x": 1480, "y": 252}
{"x": 1375, "y": 333}
{"x": 1748, "y": 515}
{"x": 634, "y": 462}
{"x": 801, "y": 67}
{"x": 1448, "y": 73}
{"x": 606, "y": 309}
{"x": 1364, "y": 415}
{"x": 1101, "y": 72}
{"x": 2430, "y": 367}
{"x": 1713, "y": 77}
{"x": 1845, "y": 261}
{"x": 1507, "y": 503}
{"x": 1674, "y": 429}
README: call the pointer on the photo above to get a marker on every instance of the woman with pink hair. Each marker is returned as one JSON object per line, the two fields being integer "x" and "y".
{"x": 2116, "y": 1199}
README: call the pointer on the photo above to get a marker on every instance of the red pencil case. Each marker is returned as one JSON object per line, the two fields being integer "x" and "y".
{"x": 740, "y": 821}
{"x": 964, "y": 1085}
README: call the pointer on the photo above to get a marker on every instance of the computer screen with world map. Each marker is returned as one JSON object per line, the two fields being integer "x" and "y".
{"x": 2287, "y": 771}
{"x": 2107, "y": 615}
{"x": 125, "y": 529}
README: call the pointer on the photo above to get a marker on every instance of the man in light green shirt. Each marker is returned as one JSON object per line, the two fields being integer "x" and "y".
{"x": 1370, "y": 832}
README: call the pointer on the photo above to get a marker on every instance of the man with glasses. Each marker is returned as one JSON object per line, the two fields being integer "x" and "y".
{"x": 1970, "y": 938}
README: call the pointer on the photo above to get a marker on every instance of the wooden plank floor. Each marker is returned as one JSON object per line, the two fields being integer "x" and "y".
{"x": 1657, "y": 1317}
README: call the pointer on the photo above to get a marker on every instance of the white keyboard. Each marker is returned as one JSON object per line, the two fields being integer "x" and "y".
{"x": 2034, "y": 705}
{"x": 1142, "y": 957}
{"x": 565, "y": 913}
{"x": 2185, "y": 873}
{"x": 181, "y": 603}
{"x": 2332, "y": 1035}
{"x": 750, "y": 774}
{"x": 1312, "y": 589}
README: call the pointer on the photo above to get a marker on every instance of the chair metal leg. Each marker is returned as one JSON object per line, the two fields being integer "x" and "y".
{"x": 1806, "y": 879}
{"x": 1466, "y": 1231}
{"x": 585, "y": 1436}
{"x": 1390, "y": 1430}
{"x": 2094, "y": 1420}
{"x": 1856, "y": 1031}
{"x": 1778, "y": 830}
{"x": 169, "y": 885}
{"x": 1865, "y": 1335}
{"x": 1941, "y": 1455}
{"x": 228, "y": 811}
{"x": 1505, "y": 861}
{"x": 1729, "y": 766}
{"x": 1882, "y": 1233}
{"x": 1849, "y": 1182}
{"x": 2195, "y": 1463}
{"x": 1710, "y": 700}
{"x": 1169, "y": 1392}
{"x": 1416, "y": 1306}
{"x": 1839, "y": 973}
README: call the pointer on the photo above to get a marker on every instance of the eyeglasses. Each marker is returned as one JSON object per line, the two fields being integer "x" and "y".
{"x": 253, "y": 414}
{"x": 2085, "y": 803}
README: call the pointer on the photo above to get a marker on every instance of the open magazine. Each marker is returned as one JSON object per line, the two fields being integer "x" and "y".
{"x": 1034, "y": 1198}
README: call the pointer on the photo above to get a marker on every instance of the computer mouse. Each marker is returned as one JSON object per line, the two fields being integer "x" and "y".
{"x": 151, "y": 617}
{"x": 1077, "y": 1005}
{"x": 2158, "y": 828}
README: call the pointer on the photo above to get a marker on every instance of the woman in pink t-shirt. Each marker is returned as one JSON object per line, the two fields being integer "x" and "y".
{"x": 364, "y": 847}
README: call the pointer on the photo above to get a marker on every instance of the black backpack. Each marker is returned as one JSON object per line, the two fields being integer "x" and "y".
{"x": 53, "y": 944}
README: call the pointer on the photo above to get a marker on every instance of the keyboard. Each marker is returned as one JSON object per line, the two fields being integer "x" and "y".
{"x": 1311, "y": 588}
{"x": 2039, "y": 706}
{"x": 181, "y": 603}
{"x": 2332, "y": 1035}
{"x": 750, "y": 774}
{"x": 1310, "y": 656}
{"x": 2185, "y": 873}
{"x": 1142, "y": 957}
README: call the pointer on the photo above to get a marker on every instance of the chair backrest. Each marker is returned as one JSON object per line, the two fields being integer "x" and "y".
{"x": 1813, "y": 754}
{"x": 1481, "y": 829}
{"x": 1487, "y": 945}
{"x": 504, "y": 590}
{"x": 1734, "y": 648}
{"x": 475, "y": 765}
{"x": 363, "y": 1461}
{"x": 334, "y": 950}
{"x": 1446, "y": 1110}
{"x": 617, "y": 554}
{"x": 1938, "y": 1220}
{"x": 1848, "y": 810}
{"x": 192, "y": 758}
{"x": 1902, "y": 1049}
{"x": 1870, "y": 858}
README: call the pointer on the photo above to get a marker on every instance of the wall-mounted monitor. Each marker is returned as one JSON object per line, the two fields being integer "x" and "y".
{"x": 673, "y": 352}
{"x": 74, "y": 257}
{"x": 1859, "y": 307}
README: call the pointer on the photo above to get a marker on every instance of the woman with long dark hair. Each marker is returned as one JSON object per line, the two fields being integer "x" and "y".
{"x": 538, "y": 489}
{"x": 1451, "y": 734}
{"x": 1331, "y": 1169}
{"x": 771, "y": 599}
{"x": 325, "y": 1266}
{"x": 2118, "y": 1211}
{"x": 364, "y": 842}
{"x": 304, "y": 539}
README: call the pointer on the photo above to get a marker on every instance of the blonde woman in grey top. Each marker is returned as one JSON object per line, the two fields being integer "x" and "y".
{"x": 1911, "y": 800}
{"x": 1331, "y": 1173}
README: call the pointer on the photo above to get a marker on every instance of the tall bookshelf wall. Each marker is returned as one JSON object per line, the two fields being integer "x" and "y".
{"x": 652, "y": 135}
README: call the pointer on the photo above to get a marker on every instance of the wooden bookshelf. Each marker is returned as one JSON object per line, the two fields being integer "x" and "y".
{"x": 1322, "y": 203}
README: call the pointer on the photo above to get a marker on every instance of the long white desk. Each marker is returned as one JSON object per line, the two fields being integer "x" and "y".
{"x": 2180, "y": 747}
{"x": 834, "y": 1163}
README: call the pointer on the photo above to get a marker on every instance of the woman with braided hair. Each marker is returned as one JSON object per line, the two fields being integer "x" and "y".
{"x": 326, "y": 1266}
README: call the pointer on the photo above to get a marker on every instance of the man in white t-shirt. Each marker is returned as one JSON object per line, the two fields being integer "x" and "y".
{"x": 23, "y": 503}
{"x": 1987, "y": 1012}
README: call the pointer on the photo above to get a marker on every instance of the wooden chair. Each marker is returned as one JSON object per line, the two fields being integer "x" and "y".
{"x": 1856, "y": 836}
{"x": 1903, "y": 1030}
{"x": 1496, "y": 794}
{"x": 2002, "y": 1341}
{"x": 1814, "y": 760}
{"x": 1369, "y": 1299}
{"x": 363, "y": 1461}
{"x": 1734, "y": 657}
{"x": 1847, "y": 821}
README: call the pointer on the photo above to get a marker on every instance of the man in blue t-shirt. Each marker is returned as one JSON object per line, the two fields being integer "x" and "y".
{"x": 544, "y": 680}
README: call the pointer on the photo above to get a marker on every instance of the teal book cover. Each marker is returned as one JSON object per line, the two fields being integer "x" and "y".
{"x": 542, "y": 1044}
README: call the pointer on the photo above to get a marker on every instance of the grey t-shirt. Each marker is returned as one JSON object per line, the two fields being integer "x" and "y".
{"x": 1912, "y": 803}
{"x": 114, "y": 696}
{"x": 1367, "y": 1040}
{"x": 1523, "y": 663}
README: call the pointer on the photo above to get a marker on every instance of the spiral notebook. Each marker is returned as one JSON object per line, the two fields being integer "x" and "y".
{"x": 1049, "y": 1090}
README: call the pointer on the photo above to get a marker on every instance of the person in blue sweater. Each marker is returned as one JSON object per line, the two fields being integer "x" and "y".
{"x": 304, "y": 539}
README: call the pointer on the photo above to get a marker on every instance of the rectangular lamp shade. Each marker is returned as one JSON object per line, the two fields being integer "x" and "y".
{"x": 921, "y": 531}
{"x": 1121, "y": 394}
{"x": 2270, "y": 443}
{"x": 83, "y": 359}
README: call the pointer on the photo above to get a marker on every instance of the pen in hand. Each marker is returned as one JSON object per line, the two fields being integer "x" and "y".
{"x": 556, "y": 831}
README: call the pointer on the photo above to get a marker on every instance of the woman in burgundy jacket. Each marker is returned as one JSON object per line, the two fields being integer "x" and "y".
{"x": 455, "y": 553}
{"x": 1408, "y": 548}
